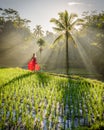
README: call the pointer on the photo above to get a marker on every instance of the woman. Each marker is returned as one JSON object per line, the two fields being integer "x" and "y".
{"x": 32, "y": 65}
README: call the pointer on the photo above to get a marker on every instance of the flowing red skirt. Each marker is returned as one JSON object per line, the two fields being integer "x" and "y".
{"x": 33, "y": 66}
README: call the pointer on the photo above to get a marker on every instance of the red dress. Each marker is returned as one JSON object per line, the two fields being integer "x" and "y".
{"x": 32, "y": 65}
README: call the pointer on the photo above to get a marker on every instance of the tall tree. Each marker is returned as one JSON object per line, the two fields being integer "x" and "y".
{"x": 2, "y": 20}
{"x": 41, "y": 43}
{"x": 11, "y": 19}
{"x": 64, "y": 25}
{"x": 38, "y": 32}
{"x": 95, "y": 32}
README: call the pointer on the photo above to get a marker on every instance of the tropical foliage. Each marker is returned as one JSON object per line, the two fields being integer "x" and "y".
{"x": 94, "y": 34}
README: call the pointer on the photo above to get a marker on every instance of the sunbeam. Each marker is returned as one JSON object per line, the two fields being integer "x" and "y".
{"x": 13, "y": 53}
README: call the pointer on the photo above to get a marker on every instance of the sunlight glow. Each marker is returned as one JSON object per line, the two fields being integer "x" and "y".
{"x": 17, "y": 54}
{"x": 74, "y": 3}
{"x": 83, "y": 51}
{"x": 78, "y": 27}
{"x": 94, "y": 44}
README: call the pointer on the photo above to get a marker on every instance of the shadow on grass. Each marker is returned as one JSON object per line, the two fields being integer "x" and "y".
{"x": 3, "y": 67}
{"x": 17, "y": 78}
{"x": 41, "y": 77}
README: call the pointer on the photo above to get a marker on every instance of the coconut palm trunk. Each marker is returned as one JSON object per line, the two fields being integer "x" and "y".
{"x": 67, "y": 54}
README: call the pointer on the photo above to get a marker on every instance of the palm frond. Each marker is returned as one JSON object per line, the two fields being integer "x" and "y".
{"x": 61, "y": 14}
{"x": 63, "y": 17}
{"x": 66, "y": 17}
{"x": 57, "y": 29}
{"x": 78, "y": 22}
{"x": 72, "y": 17}
{"x": 57, "y": 22}
{"x": 56, "y": 41}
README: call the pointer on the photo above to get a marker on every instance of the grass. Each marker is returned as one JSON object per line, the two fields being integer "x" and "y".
{"x": 39, "y": 100}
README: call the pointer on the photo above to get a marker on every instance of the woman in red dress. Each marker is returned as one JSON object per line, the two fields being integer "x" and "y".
{"x": 32, "y": 65}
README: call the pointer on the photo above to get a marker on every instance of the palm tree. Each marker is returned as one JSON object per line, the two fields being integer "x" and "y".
{"x": 64, "y": 25}
{"x": 38, "y": 32}
{"x": 41, "y": 43}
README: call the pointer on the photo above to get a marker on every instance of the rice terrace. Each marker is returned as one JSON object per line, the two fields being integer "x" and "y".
{"x": 42, "y": 101}
{"x": 51, "y": 65}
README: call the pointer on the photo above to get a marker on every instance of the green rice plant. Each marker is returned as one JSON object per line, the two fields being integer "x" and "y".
{"x": 49, "y": 97}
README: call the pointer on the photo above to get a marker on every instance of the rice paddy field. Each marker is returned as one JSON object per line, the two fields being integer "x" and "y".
{"x": 42, "y": 101}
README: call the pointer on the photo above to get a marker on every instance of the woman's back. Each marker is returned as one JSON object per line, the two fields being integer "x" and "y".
{"x": 32, "y": 65}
